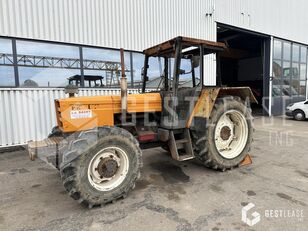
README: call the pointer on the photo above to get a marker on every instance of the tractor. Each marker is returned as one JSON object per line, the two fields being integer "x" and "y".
{"x": 98, "y": 141}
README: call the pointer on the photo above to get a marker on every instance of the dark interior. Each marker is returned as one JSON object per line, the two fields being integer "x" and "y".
{"x": 242, "y": 63}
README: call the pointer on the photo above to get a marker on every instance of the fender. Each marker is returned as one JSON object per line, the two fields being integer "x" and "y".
{"x": 208, "y": 96}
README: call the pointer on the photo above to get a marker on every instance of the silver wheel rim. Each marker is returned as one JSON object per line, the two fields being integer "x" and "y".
{"x": 108, "y": 168}
{"x": 231, "y": 134}
{"x": 299, "y": 116}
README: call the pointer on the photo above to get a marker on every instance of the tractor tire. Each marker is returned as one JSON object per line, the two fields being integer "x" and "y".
{"x": 227, "y": 137}
{"x": 108, "y": 164}
{"x": 55, "y": 132}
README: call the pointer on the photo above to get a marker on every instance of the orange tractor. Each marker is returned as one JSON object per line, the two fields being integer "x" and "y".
{"x": 97, "y": 145}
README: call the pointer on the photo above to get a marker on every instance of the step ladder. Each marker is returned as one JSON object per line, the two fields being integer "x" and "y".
{"x": 181, "y": 148}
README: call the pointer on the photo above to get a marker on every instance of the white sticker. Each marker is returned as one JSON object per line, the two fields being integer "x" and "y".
{"x": 80, "y": 114}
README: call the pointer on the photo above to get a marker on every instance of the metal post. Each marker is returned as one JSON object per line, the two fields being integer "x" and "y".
{"x": 145, "y": 72}
{"x": 270, "y": 95}
{"x": 123, "y": 87}
{"x": 131, "y": 69}
{"x": 193, "y": 74}
{"x": 218, "y": 70}
{"x": 166, "y": 77}
{"x": 14, "y": 49}
{"x": 201, "y": 65}
{"x": 81, "y": 67}
{"x": 306, "y": 74}
{"x": 177, "y": 65}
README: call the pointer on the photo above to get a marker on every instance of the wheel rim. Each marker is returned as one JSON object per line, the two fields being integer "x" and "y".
{"x": 299, "y": 116}
{"x": 231, "y": 134}
{"x": 108, "y": 168}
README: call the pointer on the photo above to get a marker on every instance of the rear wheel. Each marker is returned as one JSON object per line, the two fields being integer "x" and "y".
{"x": 107, "y": 167}
{"x": 299, "y": 115}
{"x": 227, "y": 137}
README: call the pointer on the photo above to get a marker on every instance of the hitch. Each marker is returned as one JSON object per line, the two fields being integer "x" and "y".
{"x": 46, "y": 150}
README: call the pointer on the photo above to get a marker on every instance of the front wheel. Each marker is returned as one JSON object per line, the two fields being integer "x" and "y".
{"x": 299, "y": 115}
{"x": 228, "y": 135}
{"x": 55, "y": 132}
{"x": 108, "y": 164}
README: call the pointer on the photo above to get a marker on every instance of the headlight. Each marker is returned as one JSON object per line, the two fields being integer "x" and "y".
{"x": 290, "y": 105}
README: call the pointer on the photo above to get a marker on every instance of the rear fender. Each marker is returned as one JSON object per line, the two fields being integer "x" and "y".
{"x": 208, "y": 96}
{"x": 244, "y": 93}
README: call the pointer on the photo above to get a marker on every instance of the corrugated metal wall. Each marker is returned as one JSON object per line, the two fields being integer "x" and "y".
{"x": 286, "y": 19}
{"x": 137, "y": 24}
{"x": 132, "y": 24}
{"x": 29, "y": 114}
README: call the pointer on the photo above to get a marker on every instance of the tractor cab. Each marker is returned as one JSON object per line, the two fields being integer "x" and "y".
{"x": 177, "y": 69}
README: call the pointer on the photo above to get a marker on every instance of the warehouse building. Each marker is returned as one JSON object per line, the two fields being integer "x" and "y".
{"x": 44, "y": 45}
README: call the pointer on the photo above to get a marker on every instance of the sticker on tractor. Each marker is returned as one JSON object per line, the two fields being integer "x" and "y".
{"x": 81, "y": 114}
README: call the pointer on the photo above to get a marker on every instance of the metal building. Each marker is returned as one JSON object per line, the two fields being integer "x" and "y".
{"x": 44, "y": 43}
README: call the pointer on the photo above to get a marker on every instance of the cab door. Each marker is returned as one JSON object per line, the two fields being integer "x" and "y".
{"x": 183, "y": 91}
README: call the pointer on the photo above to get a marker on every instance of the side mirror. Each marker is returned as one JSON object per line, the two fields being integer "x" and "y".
{"x": 195, "y": 60}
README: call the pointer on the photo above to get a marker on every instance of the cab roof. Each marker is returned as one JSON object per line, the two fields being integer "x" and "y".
{"x": 168, "y": 46}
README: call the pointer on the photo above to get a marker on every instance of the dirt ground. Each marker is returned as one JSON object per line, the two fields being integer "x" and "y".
{"x": 172, "y": 195}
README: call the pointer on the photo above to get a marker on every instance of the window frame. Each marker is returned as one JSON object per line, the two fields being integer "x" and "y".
{"x": 15, "y": 72}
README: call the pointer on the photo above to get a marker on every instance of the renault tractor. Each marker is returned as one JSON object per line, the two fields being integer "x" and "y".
{"x": 98, "y": 141}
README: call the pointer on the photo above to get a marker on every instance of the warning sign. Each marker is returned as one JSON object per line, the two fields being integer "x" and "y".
{"x": 81, "y": 114}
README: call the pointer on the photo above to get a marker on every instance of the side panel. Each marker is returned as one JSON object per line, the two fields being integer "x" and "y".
{"x": 305, "y": 108}
{"x": 204, "y": 106}
{"x": 77, "y": 114}
{"x": 149, "y": 102}
{"x": 83, "y": 113}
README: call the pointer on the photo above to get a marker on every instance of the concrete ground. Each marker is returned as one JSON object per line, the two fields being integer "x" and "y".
{"x": 172, "y": 195}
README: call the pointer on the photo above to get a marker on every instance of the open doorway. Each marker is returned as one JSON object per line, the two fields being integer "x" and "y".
{"x": 245, "y": 63}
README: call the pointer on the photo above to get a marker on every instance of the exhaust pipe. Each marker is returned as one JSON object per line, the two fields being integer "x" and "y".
{"x": 123, "y": 85}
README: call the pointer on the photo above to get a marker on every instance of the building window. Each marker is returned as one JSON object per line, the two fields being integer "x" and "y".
{"x": 105, "y": 64}
{"x": 101, "y": 63}
{"x": 277, "y": 68}
{"x": 7, "y": 76}
{"x": 46, "y": 64}
{"x": 289, "y": 70}
{"x": 303, "y": 71}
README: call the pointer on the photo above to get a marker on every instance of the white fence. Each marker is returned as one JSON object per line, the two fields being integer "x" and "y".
{"x": 29, "y": 114}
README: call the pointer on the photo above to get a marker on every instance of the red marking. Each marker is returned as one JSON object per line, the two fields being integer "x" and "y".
{"x": 147, "y": 137}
